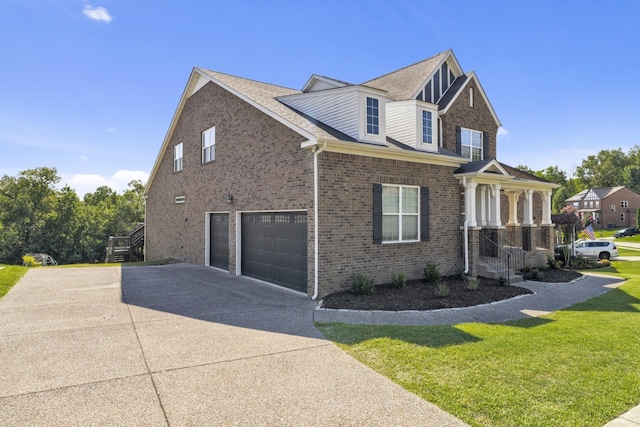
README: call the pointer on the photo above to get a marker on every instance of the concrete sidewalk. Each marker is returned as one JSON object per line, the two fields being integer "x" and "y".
{"x": 181, "y": 345}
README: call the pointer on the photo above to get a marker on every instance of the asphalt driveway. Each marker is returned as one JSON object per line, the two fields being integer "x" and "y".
{"x": 181, "y": 345}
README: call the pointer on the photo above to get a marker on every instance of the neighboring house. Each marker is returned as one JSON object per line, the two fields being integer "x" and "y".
{"x": 305, "y": 188}
{"x": 609, "y": 207}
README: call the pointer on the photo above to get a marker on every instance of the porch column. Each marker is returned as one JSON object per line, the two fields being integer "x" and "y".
{"x": 494, "y": 206}
{"x": 513, "y": 196}
{"x": 546, "y": 208}
{"x": 482, "y": 212}
{"x": 470, "y": 203}
{"x": 528, "y": 207}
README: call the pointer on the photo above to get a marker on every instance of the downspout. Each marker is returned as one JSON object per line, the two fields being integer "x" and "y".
{"x": 316, "y": 152}
{"x": 466, "y": 227}
{"x": 144, "y": 250}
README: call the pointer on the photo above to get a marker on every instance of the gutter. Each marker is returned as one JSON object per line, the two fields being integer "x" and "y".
{"x": 316, "y": 151}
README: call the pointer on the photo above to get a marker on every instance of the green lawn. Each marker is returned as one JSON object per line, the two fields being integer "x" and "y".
{"x": 575, "y": 367}
{"x": 628, "y": 251}
{"x": 9, "y": 276}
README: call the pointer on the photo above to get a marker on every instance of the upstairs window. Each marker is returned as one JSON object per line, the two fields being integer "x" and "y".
{"x": 427, "y": 127}
{"x": 177, "y": 157}
{"x": 624, "y": 204}
{"x": 471, "y": 144}
{"x": 373, "y": 116}
{"x": 613, "y": 208}
{"x": 209, "y": 145}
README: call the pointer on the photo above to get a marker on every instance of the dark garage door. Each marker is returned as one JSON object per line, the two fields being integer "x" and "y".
{"x": 219, "y": 241}
{"x": 274, "y": 248}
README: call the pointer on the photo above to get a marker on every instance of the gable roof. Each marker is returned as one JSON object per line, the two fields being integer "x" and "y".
{"x": 403, "y": 84}
{"x": 600, "y": 192}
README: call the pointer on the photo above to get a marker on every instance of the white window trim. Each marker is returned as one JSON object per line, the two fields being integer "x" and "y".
{"x": 179, "y": 199}
{"x": 399, "y": 214}
{"x": 470, "y": 145}
{"x": 177, "y": 161}
{"x": 366, "y": 116}
{"x": 209, "y": 145}
{"x": 624, "y": 204}
{"x": 433, "y": 127}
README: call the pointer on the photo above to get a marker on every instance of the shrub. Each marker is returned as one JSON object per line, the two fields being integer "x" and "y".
{"x": 583, "y": 263}
{"x": 361, "y": 284}
{"x": 442, "y": 290}
{"x": 431, "y": 273}
{"x": 552, "y": 263}
{"x": 502, "y": 281}
{"x": 29, "y": 261}
{"x": 398, "y": 281}
{"x": 532, "y": 273}
{"x": 605, "y": 262}
{"x": 472, "y": 283}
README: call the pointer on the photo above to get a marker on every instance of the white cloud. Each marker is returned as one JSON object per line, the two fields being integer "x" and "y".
{"x": 110, "y": 129}
{"x": 83, "y": 158}
{"x": 502, "y": 132}
{"x": 97, "y": 13}
{"x": 88, "y": 183}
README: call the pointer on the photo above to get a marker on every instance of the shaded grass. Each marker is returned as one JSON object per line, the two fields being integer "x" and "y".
{"x": 577, "y": 366}
{"x": 9, "y": 276}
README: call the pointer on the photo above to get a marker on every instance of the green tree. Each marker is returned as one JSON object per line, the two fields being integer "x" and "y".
{"x": 27, "y": 207}
{"x": 604, "y": 169}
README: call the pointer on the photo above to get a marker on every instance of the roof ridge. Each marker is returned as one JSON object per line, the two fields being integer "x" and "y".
{"x": 407, "y": 66}
{"x": 248, "y": 79}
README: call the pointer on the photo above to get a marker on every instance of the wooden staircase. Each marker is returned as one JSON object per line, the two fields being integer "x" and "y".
{"x": 129, "y": 248}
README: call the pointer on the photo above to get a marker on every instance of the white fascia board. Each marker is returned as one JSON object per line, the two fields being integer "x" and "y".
{"x": 494, "y": 163}
{"x": 472, "y": 75}
{"x": 315, "y": 77}
{"x": 384, "y": 152}
{"x": 507, "y": 182}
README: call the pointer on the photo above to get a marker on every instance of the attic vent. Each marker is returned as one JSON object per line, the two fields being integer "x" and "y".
{"x": 179, "y": 199}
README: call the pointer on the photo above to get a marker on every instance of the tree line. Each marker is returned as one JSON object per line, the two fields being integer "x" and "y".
{"x": 37, "y": 217}
{"x": 608, "y": 168}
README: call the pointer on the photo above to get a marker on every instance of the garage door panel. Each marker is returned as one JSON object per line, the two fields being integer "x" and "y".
{"x": 274, "y": 248}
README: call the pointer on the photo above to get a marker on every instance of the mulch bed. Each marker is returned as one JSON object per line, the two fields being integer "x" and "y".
{"x": 418, "y": 295}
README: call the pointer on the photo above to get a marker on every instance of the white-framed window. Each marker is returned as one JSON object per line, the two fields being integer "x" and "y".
{"x": 209, "y": 145}
{"x": 590, "y": 203}
{"x": 597, "y": 203}
{"x": 427, "y": 127}
{"x": 622, "y": 217}
{"x": 179, "y": 199}
{"x": 613, "y": 208}
{"x": 373, "y": 116}
{"x": 624, "y": 204}
{"x": 576, "y": 205}
{"x": 586, "y": 204}
{"x": 471, "y": 97}
{"x": 177, "y": 157}
{"x": 400, "y": 213}
{"x": 471, "y": 144}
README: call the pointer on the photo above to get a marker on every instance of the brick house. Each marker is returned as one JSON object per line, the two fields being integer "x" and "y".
{"x": 303, "y": 188}
{"x": 610, "y": 207}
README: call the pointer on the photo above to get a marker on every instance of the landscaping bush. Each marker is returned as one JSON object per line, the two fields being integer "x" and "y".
{"x": 361, "y": 284}
{"x": 398, "y": 281}
{"x": 472, "y": 283}
{"x": 442, "y": 290}
{"x": 431, "y": 273}
{"x": 552, "y": 263}
{"x": 502, "y": 281}
{"x": 29, "y": 261}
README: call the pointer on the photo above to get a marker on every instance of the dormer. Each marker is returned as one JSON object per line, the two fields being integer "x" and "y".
{"x": 317, "y": 82}
{"x": 413, "y": 123}
{"x": 355, "y": 110}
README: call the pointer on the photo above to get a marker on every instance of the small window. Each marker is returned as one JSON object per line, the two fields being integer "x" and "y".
{"x": 400, "y": 213}
{"x": 177, "y": 157}
{"x": 179, "y": 199}
{"x": 373, "y": 116}
{"x": 586, "y": 204}
{"x": 576, "y": 205}
{"x": 471, "y": 144}
{"x": 209, "y": 145}
{"x": 427, "y": 127}
{"x": 622, "y": 217}
{"x": 590, "y": 203}
{"x": 624, "y": 204}
{"x": 470, "y": 97}
{"x": 613, "y": 208}
{"x": 597, "y": 203}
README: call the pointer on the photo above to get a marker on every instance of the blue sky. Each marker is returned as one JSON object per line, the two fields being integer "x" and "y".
{"x": 90, "y": 87}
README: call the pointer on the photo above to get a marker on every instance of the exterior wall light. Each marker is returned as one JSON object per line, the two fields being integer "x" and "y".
{"x": 229, "y": 199}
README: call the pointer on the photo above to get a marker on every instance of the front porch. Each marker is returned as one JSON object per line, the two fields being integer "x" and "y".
{"x": 507, "y": 219}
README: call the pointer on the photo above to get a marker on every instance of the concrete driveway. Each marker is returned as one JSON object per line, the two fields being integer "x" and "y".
{"x": 181, "y": 345}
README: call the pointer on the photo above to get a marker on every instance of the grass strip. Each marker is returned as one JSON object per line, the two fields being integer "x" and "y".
{"x": 577, "y": 366}
{"x": 9, "y": 276}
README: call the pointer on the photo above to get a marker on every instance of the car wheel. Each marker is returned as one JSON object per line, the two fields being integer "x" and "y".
{"x": 604, "y": 255}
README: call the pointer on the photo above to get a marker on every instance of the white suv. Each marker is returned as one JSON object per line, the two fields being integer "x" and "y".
{"x": 603, "y": 249}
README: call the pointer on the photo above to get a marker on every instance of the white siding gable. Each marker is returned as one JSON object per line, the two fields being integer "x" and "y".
{"x": 404, "y": 123}
{"x": 344, "y": 109}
